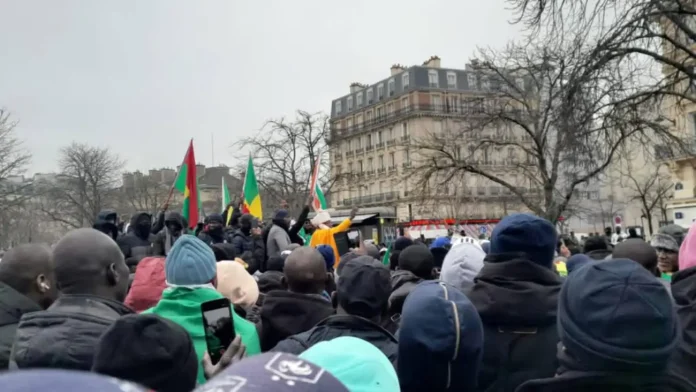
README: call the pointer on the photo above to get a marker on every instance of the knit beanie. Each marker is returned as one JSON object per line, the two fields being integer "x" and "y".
{"x": 235, "y": 283}
{"x": 281, "y": 214}
{"x": 526, "y": 234}
{"x": 359, "y": 365}
{"x": 149, "y": 350}
{"x": 327, "y": 252}
{"x": 190, "y": 262}
{"x": 616, "y": 316}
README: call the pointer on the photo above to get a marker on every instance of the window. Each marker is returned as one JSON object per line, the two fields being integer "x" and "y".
{"x": 368, "y": 140}
{"x": 368, "y": 116}
{"x": 379, "y": 112}
{"x": 369, "y": 164}
{"x": 392, "y": 162}
{"x": 471, "y": 80}
{"x": 404, "y": 80}
{"x": 381, "y": 161}
{"x": 358, "y": 98}
{"x": 350, "y": 167}
{"x": 346, "y": 146}
{"x": 436, "y": 100}
{"x": 358, "y": 119}
{"x": 433, "y": 78}
{"x": 390, "y": 87}
{"x": 390, "y": 108}
{"x": 350, "y": 103}
{"x": 404, "y": 129}
{"x": 338, "y": 107}
{"x": 407, "y": 157}
{"x": 369, "y": 96}
{"x": 692, "y": 117}
{"x": 379, "y": 137}
{"x": 437, "y": 126}
{"x": 485, "y": 84}
{"x": 380, "y": 91}
{"x": 360, "y": 166}
{"x": 404, "y": 102}
{"x": 451, "y": 80}
{"x": 349, "y": 123}
{"x": 453, "y": 103}
{"x": 391, "y": 134}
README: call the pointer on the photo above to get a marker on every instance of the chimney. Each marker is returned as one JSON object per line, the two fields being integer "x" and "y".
{"x": 432, "y": 62}
{"x": 355, "y": 87}
{"x": 396, "y": 69}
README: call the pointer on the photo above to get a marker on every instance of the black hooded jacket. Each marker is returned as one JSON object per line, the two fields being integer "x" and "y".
{"x": 102, "y": 223}
{"x": 12, "y": 306}
{"x": 285, "y": 313}
{"x": 137, "y": 244}
{"x": 684, "y": 294}
{"x": 159, "y": 241}
{"x": 66, "y": 335}
{"x": 402, "y": 283}
{"x": 342, "y": 325}
{"x": 517, "y": 301}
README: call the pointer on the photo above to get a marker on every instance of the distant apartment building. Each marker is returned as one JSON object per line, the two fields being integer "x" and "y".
{"x": 370, "y": 130}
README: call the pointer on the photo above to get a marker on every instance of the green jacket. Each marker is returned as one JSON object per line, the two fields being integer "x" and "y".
{"x": 182, "y": 305}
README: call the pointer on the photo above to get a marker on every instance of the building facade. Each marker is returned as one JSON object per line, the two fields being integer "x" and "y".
{"x": 370, "y": 132}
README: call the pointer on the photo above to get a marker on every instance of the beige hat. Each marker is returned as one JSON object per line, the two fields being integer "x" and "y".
{"x": 235, "y": 283}
{"x": 321, "y": 217}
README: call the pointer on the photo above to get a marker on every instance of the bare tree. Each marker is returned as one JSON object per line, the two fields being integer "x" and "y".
{"x": 144, "y": 194}
{"x": 284, "y": 153}
{"x": 13, "y": 162}
{"x": 552, "y": 119}
{"x": 88, "y": 183}
{"x": 650, "y": 188}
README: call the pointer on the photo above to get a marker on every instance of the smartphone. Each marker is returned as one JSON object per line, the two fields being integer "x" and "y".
{"x": 219, "y": 327}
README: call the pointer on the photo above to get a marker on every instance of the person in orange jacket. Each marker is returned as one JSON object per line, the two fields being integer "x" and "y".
{"x": 324, "y": 234}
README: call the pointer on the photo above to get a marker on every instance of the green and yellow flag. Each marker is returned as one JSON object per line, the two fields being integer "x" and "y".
{"x": 251, "y": 196}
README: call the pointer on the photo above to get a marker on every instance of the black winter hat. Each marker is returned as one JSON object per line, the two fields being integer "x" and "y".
{"x": 616, "y": 317}
{"x": 149, "y": 350}
{"x": 363, "y": 287}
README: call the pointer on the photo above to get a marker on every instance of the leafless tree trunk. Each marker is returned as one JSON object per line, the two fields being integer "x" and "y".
{"x": 284, "y": 153}
{"x": 88, "y": 182}
{"x": 13, "y": 162}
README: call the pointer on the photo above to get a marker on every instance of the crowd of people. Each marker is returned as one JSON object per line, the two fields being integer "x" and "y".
{"x": 111, "y": 311}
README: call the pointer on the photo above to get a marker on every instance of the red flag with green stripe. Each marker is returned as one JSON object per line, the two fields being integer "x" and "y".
{"x": 187, "y": 184}
{"x": 319, "y": 201}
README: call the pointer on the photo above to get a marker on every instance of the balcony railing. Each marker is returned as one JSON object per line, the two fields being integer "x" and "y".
{"x": 359, "y": 151}
{"x": 380, "y": 145}
{"x": 391, "y": 142}
{"x": 686, "y": 150}
{"x": 350, "y": 154}
{"x": 381, "y": 170}
{"x": 464, "y": 109}
{"x": 369, "y": 148}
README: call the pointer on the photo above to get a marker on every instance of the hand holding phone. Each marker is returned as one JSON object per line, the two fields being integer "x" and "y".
{"x": 218, "y": 325}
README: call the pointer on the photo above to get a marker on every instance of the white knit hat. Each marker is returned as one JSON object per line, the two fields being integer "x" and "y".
{"x": 321, "y": 217}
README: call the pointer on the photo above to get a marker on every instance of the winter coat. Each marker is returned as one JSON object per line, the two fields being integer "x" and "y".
{"x": 599, "y": 254}
{"x": 182, "y": 305}
{"x": 159, "y": 242}
{"x": 210, "y": 240}
{"x": 12, "y": 306}
{"x": 66, "y": 335}
{"x": 285, "y": 314}
{"x": 133, "y": 246}
{"x": 158, "y": 224}
{"x": 248, "y": 248}
{"x": 608, "y": 382}
{"x": 517, "y": 301}
{"x": 148, "y": 284}
{"x": 684, "y": 294}
{"x": 326, "y": 237}
{"x": 294, "y": 231}
{"x": 278, "y": 240}
{"x": 342, "y": 325}
{"x": 105, "y": 227}
{"x": 402, "y": 283}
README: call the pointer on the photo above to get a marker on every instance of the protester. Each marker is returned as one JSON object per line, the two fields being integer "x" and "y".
{"x": 618, "y": 330}
{"x": 158, "y": 224}
{"x": 516, "y": 295}
{"x": 191, "y": 273}
{"x": 39, "y": 380}
{"x": 174, "y": 227}
{"x": 93, "y": 278}
{"x": 148, "y": 284}
{"x": 289, "y": 312}
{"x": 248, "y": 242}
{"x": 667, "y": 248}
{"x": 295, "y": 232}
{"x": 324, "y": 233}
{"x": 327, "y": 253}
{"x": 416, "y": 264}
{"x": 361, "y": 298}
{"x": 277, "y": 237}
{"x": 306, "y": 232}
{"x": 440, "y": 340}
{"x": 461, "y": 265}
{"x": 639, "y": 251}
{"x": 27, "y": 284}
{"x": 273, "y": 372}
{"x": 359, "y": 365}
{"x": 235, "y": 283}
{"x": 596, "y": 248}
{"x": 150, "y": 351}
{"x": 213, "y": 230}
{"x": 577, "y": 261}
{"x": 107, "y": 223}
{"x": 684, "y": 294}
{"x": 137, "y": 244}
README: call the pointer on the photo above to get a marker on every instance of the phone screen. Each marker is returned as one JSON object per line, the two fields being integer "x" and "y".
{"x": 219, "y": 327}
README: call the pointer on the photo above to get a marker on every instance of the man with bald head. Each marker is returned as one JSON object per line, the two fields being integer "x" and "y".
{"x": 92, "y": 277}
{"x": 27, "y": 284}
{"x": 302, "y": 305}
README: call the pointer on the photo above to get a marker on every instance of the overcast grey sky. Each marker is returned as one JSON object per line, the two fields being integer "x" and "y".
{"x": 142, "y": 77}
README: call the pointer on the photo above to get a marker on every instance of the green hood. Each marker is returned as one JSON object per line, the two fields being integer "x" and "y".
{"x": 182, "y": 305}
